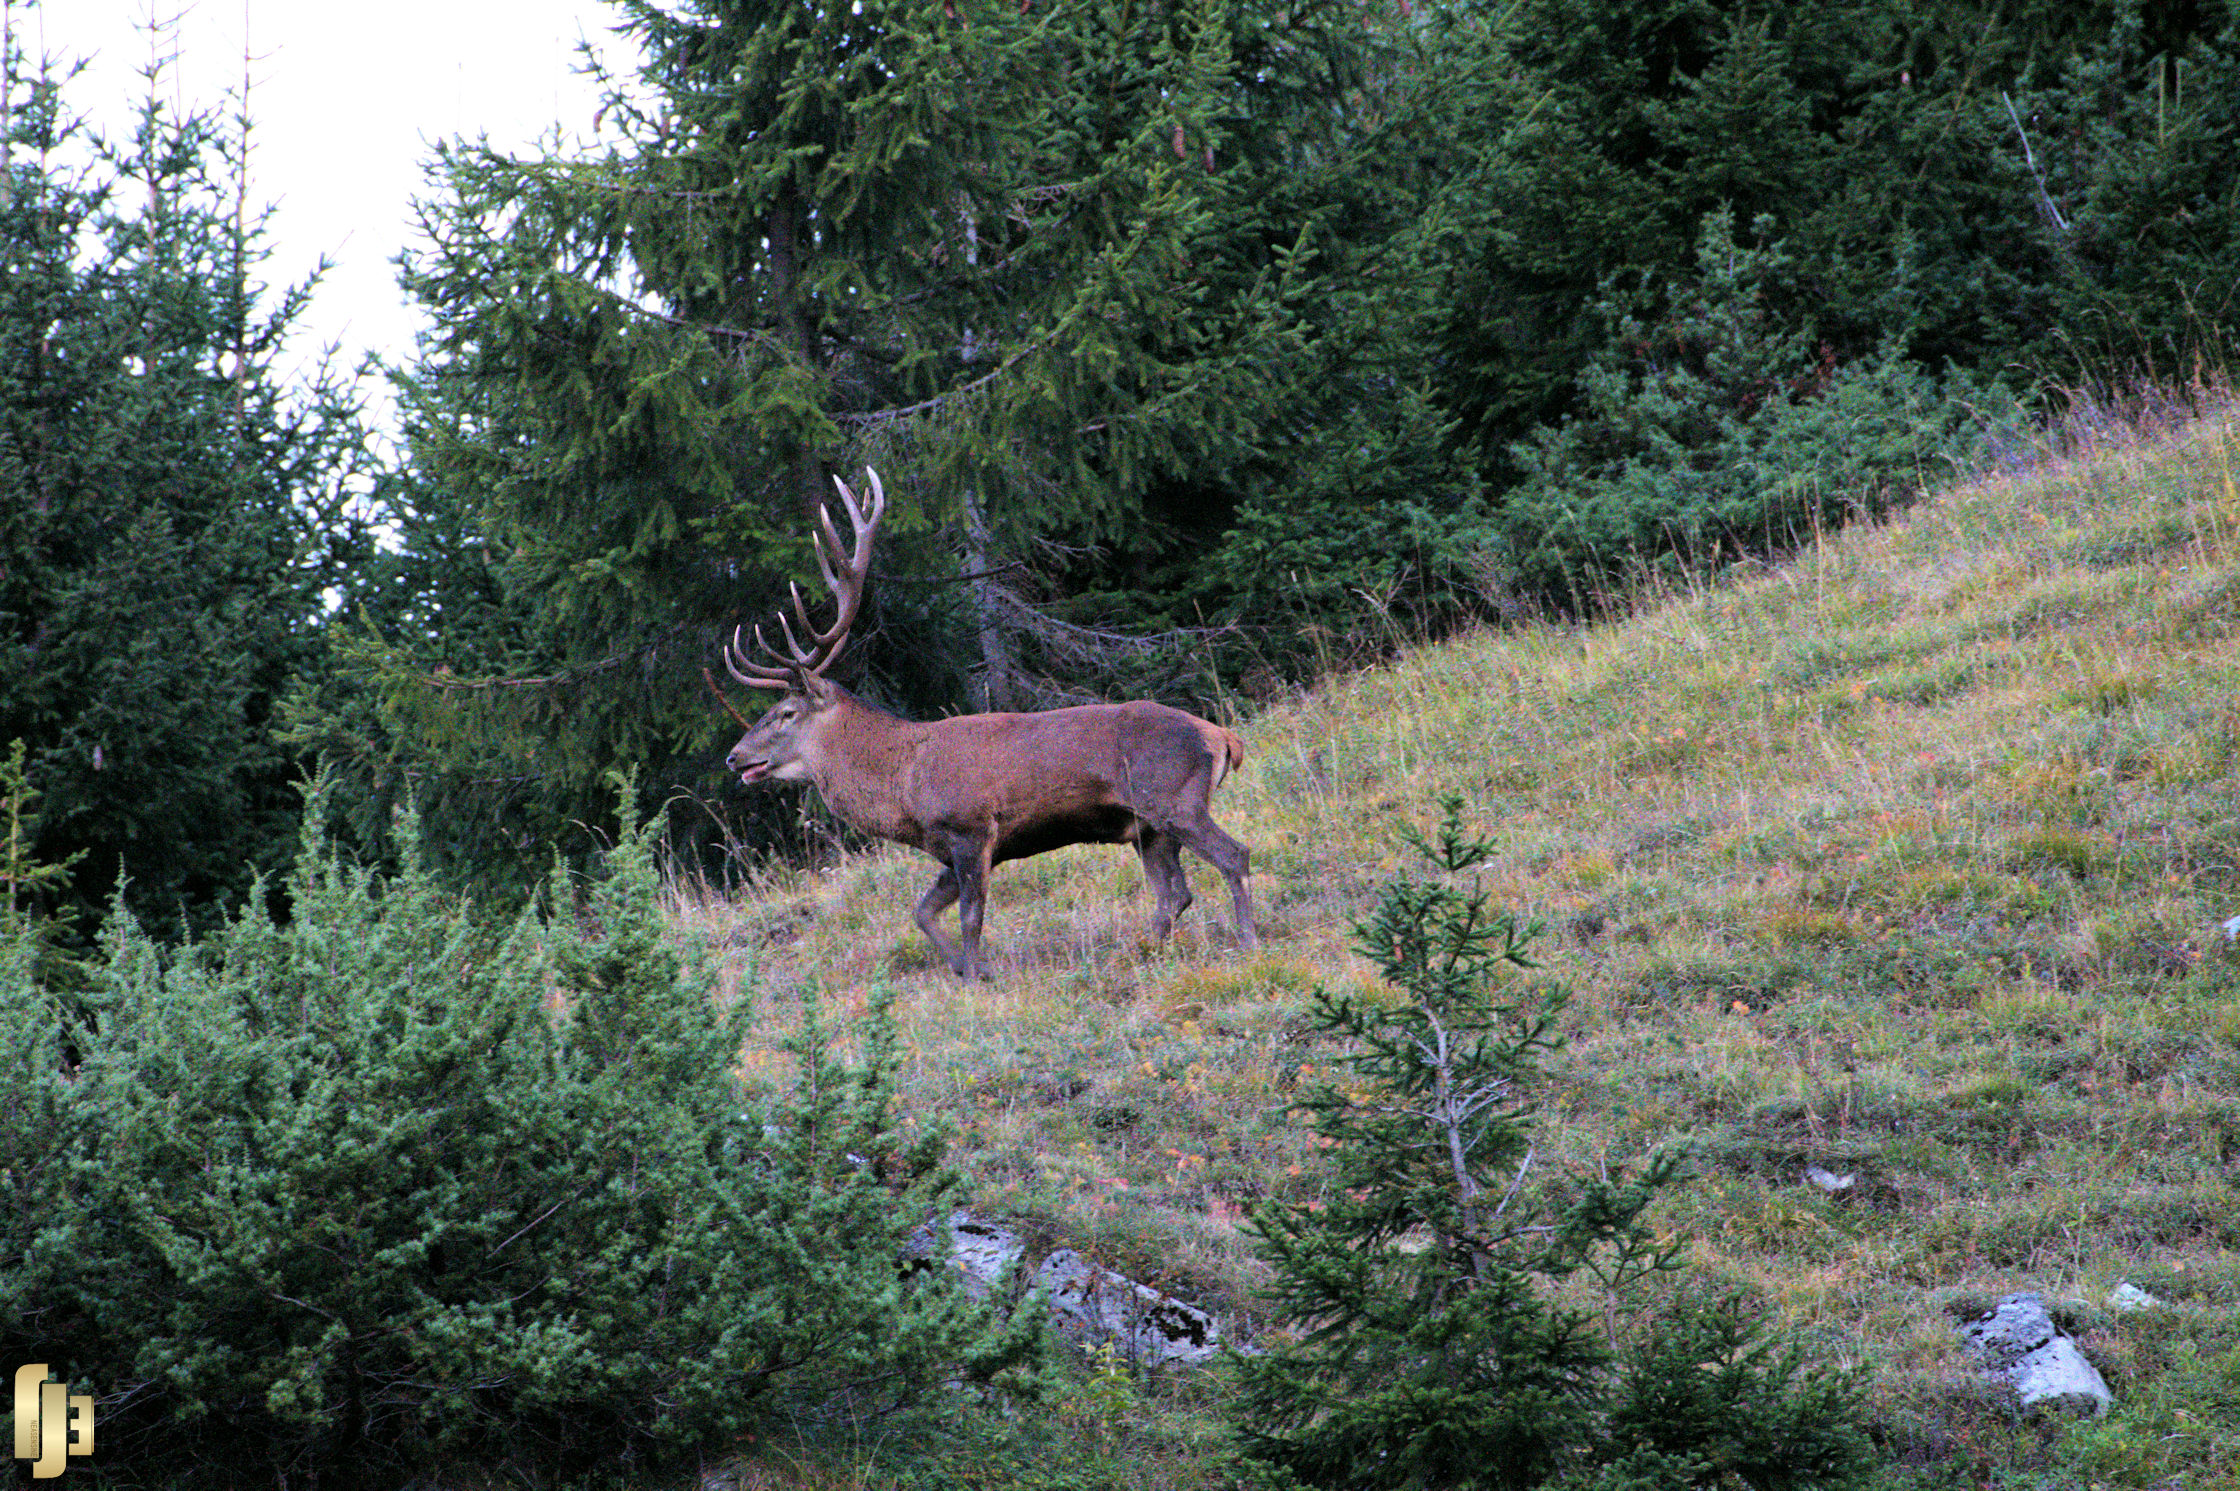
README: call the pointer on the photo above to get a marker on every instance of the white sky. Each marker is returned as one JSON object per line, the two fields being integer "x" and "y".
{"x": 347, "y": 100}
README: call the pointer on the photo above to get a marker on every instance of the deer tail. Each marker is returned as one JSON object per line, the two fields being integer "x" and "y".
{"x": 1228, "y": 751}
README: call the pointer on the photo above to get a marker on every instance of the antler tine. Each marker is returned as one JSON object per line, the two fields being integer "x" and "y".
{"x": 821, "y": 638}
{"x": 846, "y": 584}
{"x": 790, "y": 660}
{"x": 753, "y": 674}
{"x": 844, "y": 573}
{"x": 802, "y": 657}
{"x": 830, "y": 547}
{"x": 866, "y": 527}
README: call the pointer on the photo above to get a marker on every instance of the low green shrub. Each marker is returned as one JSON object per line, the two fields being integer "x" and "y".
{"x": 1714, "y": 431}
{"x": 384, "y": 1185}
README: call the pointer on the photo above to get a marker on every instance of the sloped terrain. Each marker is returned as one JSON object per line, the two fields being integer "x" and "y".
{"x": 1908, "y": 859}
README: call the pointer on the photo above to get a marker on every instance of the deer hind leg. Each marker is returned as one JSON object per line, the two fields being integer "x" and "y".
{"x": 1206, "y": 839}
{"x": 1162, "y": 866}
{"x": 939, "y": 897}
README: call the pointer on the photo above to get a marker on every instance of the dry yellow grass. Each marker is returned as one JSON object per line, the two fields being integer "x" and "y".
{"x": 1906, "y": 858}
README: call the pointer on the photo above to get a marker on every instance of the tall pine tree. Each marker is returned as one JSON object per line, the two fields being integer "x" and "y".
{"x": 170, "y": 509}
{"x": 1033, "y": 263}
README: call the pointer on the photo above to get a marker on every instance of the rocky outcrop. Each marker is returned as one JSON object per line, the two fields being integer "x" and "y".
{"x": 1088, "y": 1303}
{"x": 2017, "y": 1340}
{"x": 1093, "y": 1304}
{"x": 984, "y": 1253}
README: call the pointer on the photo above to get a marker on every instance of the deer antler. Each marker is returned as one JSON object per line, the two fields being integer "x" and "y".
{"x": 844, "y": 572}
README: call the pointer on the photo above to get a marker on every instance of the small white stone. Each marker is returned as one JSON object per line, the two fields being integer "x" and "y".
{"x": 2129, "y": 1296}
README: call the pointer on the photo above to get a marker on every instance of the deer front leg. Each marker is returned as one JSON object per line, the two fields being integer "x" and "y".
{"x": 970, "y": 865}
{"x": 939, "y": 897}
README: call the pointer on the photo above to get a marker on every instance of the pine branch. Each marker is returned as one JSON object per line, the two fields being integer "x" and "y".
{"x": 444, "y": 680}
{"x": 881, "y": 416}
{"x": 683, "y": 323}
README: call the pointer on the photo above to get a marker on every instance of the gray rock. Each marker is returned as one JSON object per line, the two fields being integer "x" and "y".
{"x": 983, "y": 1252}
{"x": 2017, "y": 1340}
{"x": 1087, "y": 1303}
{"x": 1828, "y": 1180}
{"x": 1093, "y": 1305}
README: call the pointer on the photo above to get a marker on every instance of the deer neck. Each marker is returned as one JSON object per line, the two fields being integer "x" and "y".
{"x": 860, "y": 765}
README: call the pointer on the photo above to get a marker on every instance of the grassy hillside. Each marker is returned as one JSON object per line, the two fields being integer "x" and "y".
{"x": 1906, "y": 859}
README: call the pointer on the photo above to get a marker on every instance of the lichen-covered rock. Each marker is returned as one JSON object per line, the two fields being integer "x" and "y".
{"x": 1088, "y": 1304}
{"x": 2016, "y": 1339}
{"x": 1094, "y": 1305}
{"x": 983, "y": 1252}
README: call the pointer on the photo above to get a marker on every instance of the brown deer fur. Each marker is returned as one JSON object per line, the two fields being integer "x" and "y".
{"x": 975, "y": 790}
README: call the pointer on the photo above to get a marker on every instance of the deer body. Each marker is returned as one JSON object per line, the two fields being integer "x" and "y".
{"x": 975, "y": 790}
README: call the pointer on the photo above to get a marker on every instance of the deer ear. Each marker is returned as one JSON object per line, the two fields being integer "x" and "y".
{"x": 819, "y": 691}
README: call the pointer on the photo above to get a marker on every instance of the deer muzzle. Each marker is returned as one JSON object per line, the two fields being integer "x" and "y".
{"x": 749, "y": 768}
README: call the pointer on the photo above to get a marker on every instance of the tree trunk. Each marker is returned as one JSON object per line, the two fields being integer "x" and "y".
{"x": 994, "y": 682}
{"x": 794, "y": 329}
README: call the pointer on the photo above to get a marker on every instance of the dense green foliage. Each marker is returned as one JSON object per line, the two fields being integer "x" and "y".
{"x": 2028, "y": 193}
{"x": 1201, "y": 342}
{"x": 1211, "y": 341}
{"x": 1430, "y": 1349}
{"x": 390, "y": 1183}
{"x": 169, "y": 509}
{"x": 1082, "y": 273}
{"x": 1717, "y": 433}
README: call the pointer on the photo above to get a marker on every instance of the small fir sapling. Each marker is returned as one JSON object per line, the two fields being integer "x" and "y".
{"x": 1429, "y": 1349}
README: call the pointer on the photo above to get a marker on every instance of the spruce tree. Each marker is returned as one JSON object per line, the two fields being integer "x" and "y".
{"x": 2029, "y": 194}
{"x": 1427, "y": 1347}
{"x": 170, "y": 510}
{"x": 1043, "y": 266}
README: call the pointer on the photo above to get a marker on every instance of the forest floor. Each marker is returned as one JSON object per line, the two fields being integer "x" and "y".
{"x": 1909, "y": 858}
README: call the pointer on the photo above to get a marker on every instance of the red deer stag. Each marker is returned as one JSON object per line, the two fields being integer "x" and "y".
{"x": 976, "y": 790}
